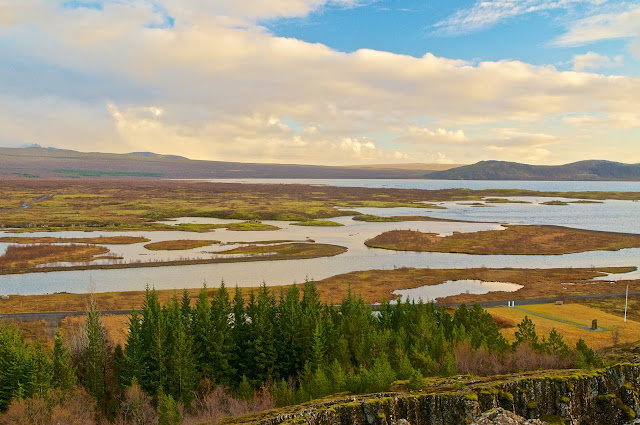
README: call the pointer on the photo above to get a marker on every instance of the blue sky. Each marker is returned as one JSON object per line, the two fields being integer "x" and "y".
{"x": 415, "y": 28}
{"x": 325, "y": 81}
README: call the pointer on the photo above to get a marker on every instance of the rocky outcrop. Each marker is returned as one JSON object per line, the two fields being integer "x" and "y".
{"x": 606, "y": 396}
{"x": 500, "y": 416}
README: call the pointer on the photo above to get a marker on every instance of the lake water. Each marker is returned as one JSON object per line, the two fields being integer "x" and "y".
{"x": 621, "y": 216}
{"x": 552, "y": 186}
{"x": 429, "y": 293}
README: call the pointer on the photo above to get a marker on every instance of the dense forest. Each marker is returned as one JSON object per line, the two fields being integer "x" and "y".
{"x": 224, "y": 356}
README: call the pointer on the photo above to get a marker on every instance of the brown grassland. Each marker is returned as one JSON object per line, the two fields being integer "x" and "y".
{"x": 120, "y": 204}
{"x": 100, "y": 240}
{"x": 372, "y": 285}
{"x": 513, "y": 240}
{"x": 400, "y": 218}
{"x": 178, "y": 244}
{"x": 23, "y": 258}
{"x": 292, "y": 251}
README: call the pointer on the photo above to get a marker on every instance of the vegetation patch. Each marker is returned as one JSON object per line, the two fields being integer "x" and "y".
{"x": 178, "y": 244}
{"x": 320, "y": 223}
{"x": 100, "y": 240}
{"x": 23, "y": 258}
{"x": 505, "y": 201}
{"x": 514, "y": 240}
{"x": 558, "y": 203}
{"x": 94, "y": 173}
{"x": 137, "y": 204}
{"x": 293, "y": 250}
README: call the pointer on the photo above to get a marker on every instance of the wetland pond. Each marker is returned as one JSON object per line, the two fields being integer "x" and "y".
{"x": 616, "y": 216}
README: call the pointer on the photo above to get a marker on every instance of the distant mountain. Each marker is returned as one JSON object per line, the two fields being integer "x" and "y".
{"x": 156, "y": 155}
{"x": 36, "y": 161}
{"x": 579, "y": 171}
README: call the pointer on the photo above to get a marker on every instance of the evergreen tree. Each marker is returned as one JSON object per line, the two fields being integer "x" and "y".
{"x": 222, "y": 336}
{"x": 134, "y": 366}
{"x": 203, "y": 336}
{"x": 95, "y": 356}
{"x": 180, "y": 361}
{"x": 168, "y": 412}
{"x": 526, "y": 334}
{"x": 64, "y": 377}
{"x": 152, "y": 355}
{"x": 556, "y": 345}
{"x": 448, "y": 367}
{"x": 41, "y": 372}
{"x": 15, "y": 364}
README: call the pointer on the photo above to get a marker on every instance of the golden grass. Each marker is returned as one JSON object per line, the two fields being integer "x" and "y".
{"x": 514, "y": 240}
{"x": 100, "y": 240}
{"x": 178, "y": 244}
{"x": 574, "y": 312}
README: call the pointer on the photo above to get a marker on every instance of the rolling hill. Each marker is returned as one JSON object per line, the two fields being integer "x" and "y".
{"x": 49, "y": 162}
{"x": 579, "y": 171}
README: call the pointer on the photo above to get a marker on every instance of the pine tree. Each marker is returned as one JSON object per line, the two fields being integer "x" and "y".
{"x": 95, "y": 356}
{"x": 180, "y": 362}
{"x": 134, "y": 365}
{"x": 222, "y": 336}
{"x": 168, "y": 412}
{"x": 41, "y": 372}
{"x": 15, "y": 363}
{"x": 64, "y": 377}
{"x": 448, "y": 367}
{"x": 204, "y": 336}
{"x": 526, "y": 334}
{"x": 152, "y": 356}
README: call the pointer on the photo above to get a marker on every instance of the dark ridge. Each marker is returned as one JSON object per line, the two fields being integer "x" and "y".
{"x": 591, "y": 170}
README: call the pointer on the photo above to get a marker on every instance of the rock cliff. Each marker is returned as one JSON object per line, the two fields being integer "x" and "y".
{"x": 605, "y": 396}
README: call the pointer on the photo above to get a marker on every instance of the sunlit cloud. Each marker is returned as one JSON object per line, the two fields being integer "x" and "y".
{"x": 216, "y": 85}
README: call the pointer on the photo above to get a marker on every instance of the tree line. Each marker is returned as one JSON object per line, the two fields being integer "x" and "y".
{"x": 225, "y": 355}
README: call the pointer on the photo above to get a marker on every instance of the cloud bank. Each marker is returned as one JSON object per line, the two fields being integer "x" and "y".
{"x": 203, "y": 79}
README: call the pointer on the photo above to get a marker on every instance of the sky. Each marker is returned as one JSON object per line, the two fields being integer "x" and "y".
{"x": 333, "y": 82}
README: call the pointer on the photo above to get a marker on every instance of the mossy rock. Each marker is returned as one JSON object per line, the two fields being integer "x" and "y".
{"x": 605, "y": 398}
{"x": 471, "y": 396}
{"x": 532, "y": 405}
{"x": 565, "y": 400}
{"x": 506, "y": 397}
{"x": 554, "y": 420}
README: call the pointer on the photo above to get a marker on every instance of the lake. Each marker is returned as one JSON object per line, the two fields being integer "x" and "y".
{"x": 620, "y": 216}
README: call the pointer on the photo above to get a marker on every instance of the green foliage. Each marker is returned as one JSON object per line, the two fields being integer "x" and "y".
{"x": 63, "y": 373}
{"x": 586, "y": 358}
{"x": 526, "y": 333}
{"x": 416, "y": 382}
{"x": 448, "y": 367}
{"x": 168, "y": 412}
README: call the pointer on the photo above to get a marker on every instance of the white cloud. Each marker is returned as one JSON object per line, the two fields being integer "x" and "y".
{"x": 591, "y": 60}
{"x": 487, "y": 13}
{"x": 425, "y": 136}
{"x": 213, "y": 90}
{"x": 623, "y": 24}
{"x": 605, "y": 26}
